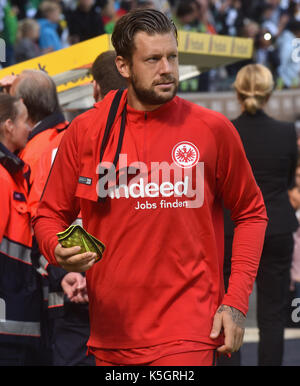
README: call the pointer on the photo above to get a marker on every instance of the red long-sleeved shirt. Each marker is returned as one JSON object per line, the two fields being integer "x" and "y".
{"x": 161, "y": 276}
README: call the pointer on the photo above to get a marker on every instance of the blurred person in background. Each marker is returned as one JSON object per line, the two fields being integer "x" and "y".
{"x": 187, "y": 16}
{"x": 49, "y": 23}
{"x": 294, "y": 10}
{"x": 8, "y": 30}
{"x": 265, "y": 51}
{"x": 109, "y": 16}
{"x": 38, "y": 92}
{"x": 106, "y": 76}
{"x": 271, "y": 148}
{"x": 32, "y": 7}
{"x": 268, "y": 19}
{"x": 27, "y": 46}
{"x": 205, "y": 17}
{"x": 195, "y": 16}
{"x": 111, "y": 11}
{"x": 21, "y": 8}
{"x": 26, "y": 8}
{"x": 289, "y": 68}
{"x": 295, "y": 201}
{"x": 85, "y": 22}
{"x": 229, "y": 17}
{"x": 277, "y": 10}
{"x": 20, "y": 329}
{"x": 62, "y": 27}
{"x": 250, "y": 29}
{"x": 163, "y": 6}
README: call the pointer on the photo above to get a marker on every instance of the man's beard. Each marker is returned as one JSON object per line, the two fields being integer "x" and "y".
{"x": 150, "y": 96}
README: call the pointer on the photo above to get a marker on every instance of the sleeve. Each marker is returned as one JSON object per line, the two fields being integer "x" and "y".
{"x": 243, "y": 198}
{"x": 43, "y": 167}
{"x": 4, "y": 206}
{"x": 58, "y": 207}
{"x": 55, "y": 276}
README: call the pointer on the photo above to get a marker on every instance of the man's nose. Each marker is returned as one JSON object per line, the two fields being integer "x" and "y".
{"x": 165, "y": 66}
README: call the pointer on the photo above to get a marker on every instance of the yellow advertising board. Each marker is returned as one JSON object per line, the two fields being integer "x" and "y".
{"x": 70, "y": 58}
{"x": 202, "y": 50}
{"x": 212, "y": 45}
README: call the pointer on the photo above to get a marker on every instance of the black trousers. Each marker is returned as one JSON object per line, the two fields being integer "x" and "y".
{"x": 272, "y": 282}
{"x": 70, "y": 334}
{"x": 17, "y": 354}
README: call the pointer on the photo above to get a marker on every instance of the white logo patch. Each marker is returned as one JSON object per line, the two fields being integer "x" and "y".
{"x": 185, "y": 154}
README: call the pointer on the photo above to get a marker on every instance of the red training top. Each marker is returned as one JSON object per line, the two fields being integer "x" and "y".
{"x": 161, "y": 276}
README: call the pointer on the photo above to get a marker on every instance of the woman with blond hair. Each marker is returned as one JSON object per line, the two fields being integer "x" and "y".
{"x": 271, "y": 148}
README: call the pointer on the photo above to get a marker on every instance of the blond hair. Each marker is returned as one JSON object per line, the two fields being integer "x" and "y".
{"x": 47, "y": 7}
{"x": 254, "y": 84}
{"x": 25, "y": 27}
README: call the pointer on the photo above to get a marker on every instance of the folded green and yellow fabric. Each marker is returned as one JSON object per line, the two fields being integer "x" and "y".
{"x": 75, "y": 235}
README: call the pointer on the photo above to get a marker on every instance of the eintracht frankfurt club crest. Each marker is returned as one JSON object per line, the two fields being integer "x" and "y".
{"x": 185, "y": 154}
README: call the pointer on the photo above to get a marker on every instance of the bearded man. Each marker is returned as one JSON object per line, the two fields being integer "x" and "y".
{"x": 151, "y": 186}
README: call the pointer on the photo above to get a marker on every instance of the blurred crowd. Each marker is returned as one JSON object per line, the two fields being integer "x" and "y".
{"x": 34, "y": 27}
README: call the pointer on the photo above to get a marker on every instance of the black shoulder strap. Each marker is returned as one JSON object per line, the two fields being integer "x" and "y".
{"x": 110, "y": 120}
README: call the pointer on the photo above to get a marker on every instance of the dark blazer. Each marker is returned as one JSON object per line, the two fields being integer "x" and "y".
{"x": 271, "y": 148}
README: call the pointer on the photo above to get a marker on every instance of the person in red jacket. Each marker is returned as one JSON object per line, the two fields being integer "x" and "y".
{"x": 38, "y": 92}
{"x": 153, "y": 191}
{"x": 19, "y": 284}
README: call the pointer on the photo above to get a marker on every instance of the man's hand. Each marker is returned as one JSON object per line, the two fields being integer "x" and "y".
{"x": 74, "y": 286}
{"x": 7, "y": 82}
{"x": 71, "y": 261}
{"x": 232, "y": 321}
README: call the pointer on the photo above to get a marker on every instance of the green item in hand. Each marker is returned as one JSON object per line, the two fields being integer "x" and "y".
{"x": 75, "y": 235}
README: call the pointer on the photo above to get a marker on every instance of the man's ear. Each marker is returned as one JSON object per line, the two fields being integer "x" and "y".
{"x": 123, "y": 66}
{"x": 8, "y": 127}
{"x": 96, "y": 91}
